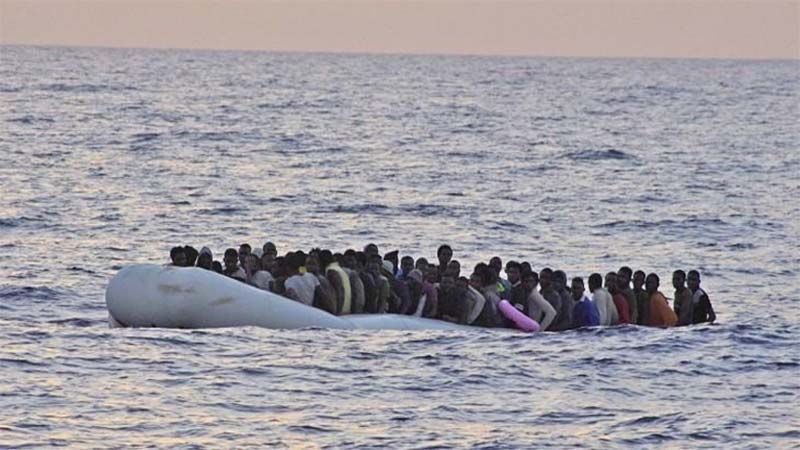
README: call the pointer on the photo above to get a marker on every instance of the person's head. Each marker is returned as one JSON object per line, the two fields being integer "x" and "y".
{"x": 178, "y": 256}
{"x": 371, "y": 249}
{"x": 325, "y": 259}
{"x": 268, "y": 262}
{"x": 454, "y": 268}
{"x": 294, "y": 261}
{"x": 361, "y": 260}
{"x": 611, "y": 282}
{"x": 392, "y": 257}
{"x": 530, "y": 280}
{"x": 525, "y": 267}
{"x": 462, "y": 283}
{"x": 577, "y": 288}
{"x": 205, "y": 258}
{"x": 244, "y": 250}
{"x": 624, "y": 277}
{"x": 444, "y": 253}
{"x": 414, "y": 278}
{"x": 431, "y": 275}
{"x": 638, "y": 279}
{"x": 312, "y": 264}
{"x": 421, "y": 264}
{"x": 231, "y": 259}
{"x": 513, "y": 272}
{"x": 651, "y": 283}
{"x": 560, "y": 279}
{"x": 496, "y": 264}
{"x": 269, "y": 248}
{"x": 191, "y": 255}
{"x": 595, "y": 282}
{"x": 374, "y": 264}
{"x": 447, "y": 283}
{"x": 349, "y": 259}
{"x": 678, "y": 279}
{"x": 216, "y": 267}
{"x": 546, "y": 278}
{"x": 476, "y": 280}
{"x": 406, "y": 265}
{"x": 252, "y": 263}
{"x": 280, "y": 267}
{"x": 693, "y": 280}
{"x": 489, "y": 276}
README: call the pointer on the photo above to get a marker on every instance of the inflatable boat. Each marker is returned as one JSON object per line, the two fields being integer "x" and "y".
{"x": 149, "y": 295}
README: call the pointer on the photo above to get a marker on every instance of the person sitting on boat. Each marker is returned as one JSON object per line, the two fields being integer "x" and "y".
{"x": 325, "y": 294}
{"x": 348, "y": 264}
{"x": 244, "y": 250}
{"x": 255, "y": 276}
{"x": 178, "y": 257}
{"x": 661, "y": 315}
{"x": 642, "y": 298}
{"x": 682, "y": 301}
{"x": 585, "y": 313}
{"x": 623, "y": 310}
{"x": 539, "y": 309}
{"x": 382, "y": 287}
{"x": 564, "y": 319}
{"x": 453, "y": 305}
{"x": 518, "y": 294}
{"x": 406, "y": 266}
{"x": 624, "y": 275}
{"x": 191, "y": 255}
{"x": 503, "y": 286}
{"x": 603, "y": 300}
{"x": 549, "y": 293}
{"x": 340, "y": 281}
{"x": 205, "y": 259}
{"x": 232, "y": 269}
{"x": 702, "y": 311}
{"x": 454, "y": 269}
{"x": 300, "y": 287}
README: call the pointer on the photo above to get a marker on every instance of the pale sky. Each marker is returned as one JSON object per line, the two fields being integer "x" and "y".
{"x": 651, "y": 28}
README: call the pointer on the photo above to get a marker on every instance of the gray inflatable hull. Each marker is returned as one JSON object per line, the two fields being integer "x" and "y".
{"x": 149, "y": 295}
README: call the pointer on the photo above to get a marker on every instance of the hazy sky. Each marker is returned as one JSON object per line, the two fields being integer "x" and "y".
{"x": 693, "y": 28}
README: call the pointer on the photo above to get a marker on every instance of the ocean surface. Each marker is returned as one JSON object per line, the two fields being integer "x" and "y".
{"x": 111, "y": 157}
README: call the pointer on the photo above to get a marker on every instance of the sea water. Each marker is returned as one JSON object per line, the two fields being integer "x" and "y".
{"x": 110, "y": 157}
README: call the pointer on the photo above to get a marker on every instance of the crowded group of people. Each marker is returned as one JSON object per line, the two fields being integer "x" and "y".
{"x": 366, "y": 282}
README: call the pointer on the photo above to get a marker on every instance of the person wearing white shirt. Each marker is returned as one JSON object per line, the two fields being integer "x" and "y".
{"x": 603, "y": 300}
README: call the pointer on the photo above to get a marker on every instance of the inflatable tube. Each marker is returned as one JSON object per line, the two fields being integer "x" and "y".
{"x": 516, "y": 316}
{"x": 176, "y": 297}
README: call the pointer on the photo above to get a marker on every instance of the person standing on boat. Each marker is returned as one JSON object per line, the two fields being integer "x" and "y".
{"x": 702, "y": 311}
{"x": 444, "y": 254}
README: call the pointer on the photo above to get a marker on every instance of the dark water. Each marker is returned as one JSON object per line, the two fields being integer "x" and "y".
{"x": 110, "y": 157}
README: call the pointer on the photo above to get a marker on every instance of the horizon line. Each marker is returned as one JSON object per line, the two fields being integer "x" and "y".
{"x": 392, "y": 53}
